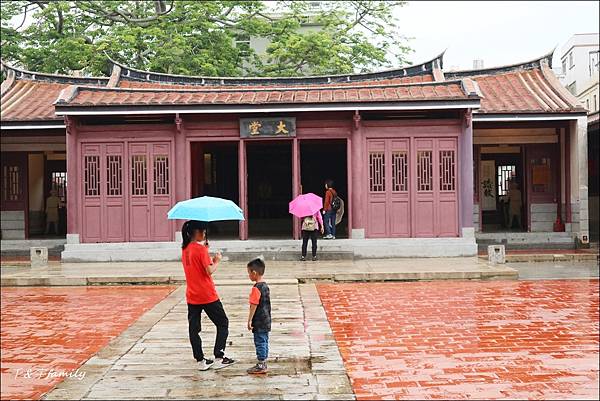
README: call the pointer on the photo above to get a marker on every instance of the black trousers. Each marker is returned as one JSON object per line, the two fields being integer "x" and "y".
{"x": 313, "y": 238}
{"x": 216, "y": 314}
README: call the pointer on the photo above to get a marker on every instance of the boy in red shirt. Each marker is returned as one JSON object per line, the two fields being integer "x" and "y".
{"x": 201, "y": 294}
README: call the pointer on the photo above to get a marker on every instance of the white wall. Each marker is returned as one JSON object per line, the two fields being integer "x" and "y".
{"x": 579, "y": 46}
{"x": 36, "y": 182}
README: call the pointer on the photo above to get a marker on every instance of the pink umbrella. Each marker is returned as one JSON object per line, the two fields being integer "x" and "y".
{"x": 306, "y": 205}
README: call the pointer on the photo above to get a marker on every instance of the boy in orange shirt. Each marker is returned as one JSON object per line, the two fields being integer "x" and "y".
{"x": 259, "y": 318}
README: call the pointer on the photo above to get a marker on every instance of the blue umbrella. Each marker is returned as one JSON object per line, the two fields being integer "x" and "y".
{"x": 206, "y": 208}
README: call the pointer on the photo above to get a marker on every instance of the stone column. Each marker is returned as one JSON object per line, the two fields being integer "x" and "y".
{"x": 466, "y": 178}
{"x": 73, "y": 201}
{"x": 358, "y": 208}
{"x": 580, "y": 185}
{"x": 243, "y": 178}
{"x": 295, "y": 183}
{"x": 179, "y": 180}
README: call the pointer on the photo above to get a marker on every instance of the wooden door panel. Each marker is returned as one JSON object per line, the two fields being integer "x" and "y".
{"x": 424, "y": 216}
{"x": 447, "y": 191}
{"x": 377, "y": 219}
{"x": 113, "y": 211}
{"x": 423, "y": 167}
{"x": 139, "y": 200}
{"x": 160, "y": 191}
{"x": 91, "y": 193}
{"x": 400, "y": 222}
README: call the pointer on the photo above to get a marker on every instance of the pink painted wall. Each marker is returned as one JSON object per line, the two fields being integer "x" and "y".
{"x": 178, "y": 138}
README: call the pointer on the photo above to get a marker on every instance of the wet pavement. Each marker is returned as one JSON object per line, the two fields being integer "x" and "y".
{"x": 47, "y": 333}
{"x": 459, "y": 340}
{"x": 153, "y": 358}
{"x": 556, "y": 270}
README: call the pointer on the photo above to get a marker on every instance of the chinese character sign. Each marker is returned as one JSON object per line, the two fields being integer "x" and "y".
{"x": 267, "y": 126}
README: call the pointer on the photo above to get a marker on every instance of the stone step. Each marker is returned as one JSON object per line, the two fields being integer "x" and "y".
{"x": 342, "y": 249}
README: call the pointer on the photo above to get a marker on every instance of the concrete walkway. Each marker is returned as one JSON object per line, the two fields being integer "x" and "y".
{"x": 232, "y": 273}
{"x": 153, "y": 359}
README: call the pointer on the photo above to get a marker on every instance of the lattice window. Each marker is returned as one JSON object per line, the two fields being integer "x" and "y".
{"x": 377, "y": 172}
{"x": 59, "y": 184}
{"x": 11, "y": 189}
{"x": 505, "y": 174}
{"x": 161, "y": 175}
{"x": 114, "y": 175}
{"x": 399, "y": 172}
{"x": 139, "y": 178}
{"x": 447, "y": 175}
{"x": 424, "y": 170}
{"x": 91, "y": 181}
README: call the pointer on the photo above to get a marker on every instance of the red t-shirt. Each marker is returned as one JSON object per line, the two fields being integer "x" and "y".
{"x": 200, "y": 286}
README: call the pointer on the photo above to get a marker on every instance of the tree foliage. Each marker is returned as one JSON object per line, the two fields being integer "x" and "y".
{"x": 199, "y": 37}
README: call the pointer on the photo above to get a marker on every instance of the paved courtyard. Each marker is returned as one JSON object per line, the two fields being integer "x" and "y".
{"x": 457, "y": 340}
{"x": 411, "y": 340}
{"x": 50, "y": 331}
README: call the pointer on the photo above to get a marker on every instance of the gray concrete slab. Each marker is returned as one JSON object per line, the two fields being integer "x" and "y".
{"x": 233, "y": 273}
{"x": 556, "y": 270}
{"x": 153, "y": 358}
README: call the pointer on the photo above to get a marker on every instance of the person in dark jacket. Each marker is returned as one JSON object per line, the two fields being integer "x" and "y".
{"x": 329, "y": 213}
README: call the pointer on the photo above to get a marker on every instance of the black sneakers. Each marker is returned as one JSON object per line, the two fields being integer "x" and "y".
{"x": 221, "y": 363}
{"x": 205, "y": 364}
{"x": 258, "y": 369}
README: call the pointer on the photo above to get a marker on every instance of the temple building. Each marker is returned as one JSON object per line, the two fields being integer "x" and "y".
{"x": 414, "y": 152}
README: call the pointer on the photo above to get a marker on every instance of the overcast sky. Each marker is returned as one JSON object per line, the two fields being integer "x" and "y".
{"x": 499, "y": 32}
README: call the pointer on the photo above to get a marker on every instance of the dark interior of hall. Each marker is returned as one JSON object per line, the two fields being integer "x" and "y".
{"x": 321, "y": 160}
{"x": 269, "y": 165}
{"x": 215, "y": 173}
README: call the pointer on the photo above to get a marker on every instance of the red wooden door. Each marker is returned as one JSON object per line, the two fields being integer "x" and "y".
{"x": 160, "y": 198}
{"x": 424, "y": 216}
{"x": 447, "y": 197}
{"x": 126, "y": 192}
{"x": 103, "y": 214}
{"x": 139, "y": 198}
{"x": 14, "y": 181}
{"x": 377, "y": 196}
{"x": 113, "y": 205}
{"x": 412, "y": 188}
{"x": 389, "y": 197}
{"x": 91, "y": 221}
{"x": 150, "y": 196}
{"x": 398, "y": 194}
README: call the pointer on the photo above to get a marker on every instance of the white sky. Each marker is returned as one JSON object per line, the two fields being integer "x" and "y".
{"x": 499, "y": 32}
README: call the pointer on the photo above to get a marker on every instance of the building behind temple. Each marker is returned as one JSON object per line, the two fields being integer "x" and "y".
{"x": 416, "y": 153}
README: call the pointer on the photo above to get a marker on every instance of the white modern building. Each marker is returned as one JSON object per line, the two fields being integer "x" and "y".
{"x": 579, "y": 61}
{"x": 580, "y": 73}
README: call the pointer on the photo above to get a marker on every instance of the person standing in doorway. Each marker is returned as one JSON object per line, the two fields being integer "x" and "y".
{"x": 328, "y": 210}
{"x": 52, "y": 205}
{"x": 514, "y": 204}
{"x": 310, "y": 226}
{"x": 201, "y": 294}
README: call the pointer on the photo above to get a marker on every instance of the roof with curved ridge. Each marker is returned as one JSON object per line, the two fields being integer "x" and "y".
{"x": 523, "y": 88}
{"x": 423, "y": 72}
{"x": 28, "y": 96}
{"x": 527, "y": 87}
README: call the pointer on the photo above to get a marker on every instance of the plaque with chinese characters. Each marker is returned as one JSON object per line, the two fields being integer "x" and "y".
{"x": 267, "y": 126}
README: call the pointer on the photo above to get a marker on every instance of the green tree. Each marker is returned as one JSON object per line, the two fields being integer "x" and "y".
{"x": 199, "y": 37}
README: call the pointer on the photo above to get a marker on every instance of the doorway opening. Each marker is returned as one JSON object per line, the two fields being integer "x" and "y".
{"x": 215, "y": 173}
{"x": 322, "y": 160}
{"x": 503, "y": 194}
{"x": 269, "y": 186}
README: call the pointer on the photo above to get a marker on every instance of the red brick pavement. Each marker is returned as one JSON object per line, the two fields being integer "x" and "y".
{"x": 459, "y": 340}
{"x": 56, "y": 329}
